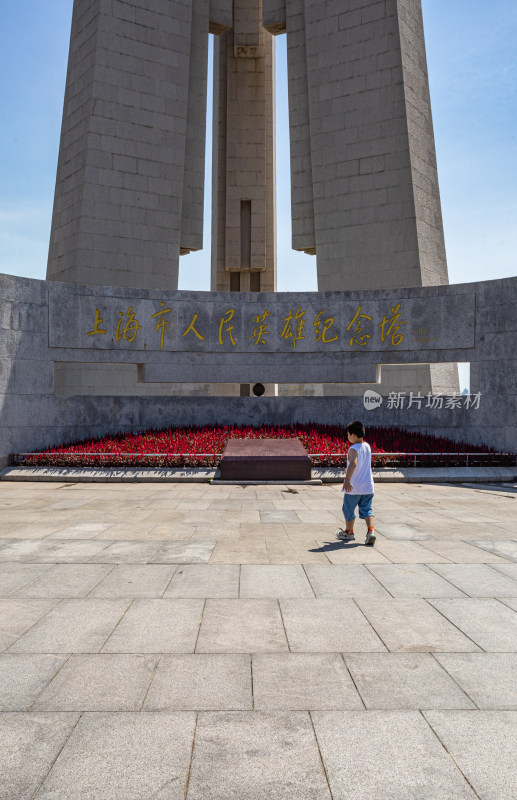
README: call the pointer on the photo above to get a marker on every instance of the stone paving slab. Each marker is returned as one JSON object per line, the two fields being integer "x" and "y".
{"x": 274, "y": 581}
{"x": 413, "y": 580}
{"x": 99, "y": 682}
{"x": 409, "y": 553}
{"x": 478, "y": 580}
{"x": 511, "y": 602}
{"x": 73, "y": 626}
{"x": 135, "y": 580}
{"x": 205, "y": 580}
{"x": 409, "y": 760}
{"x": 256, "y": 755}
{"x": 489, "y": 623}
{"x": 156, "y": 626}
{"x": 461, "y": 552}
{"x": 18, "y": 616}
{"x": 404, "y": 681}
{"x": 302, "y": 681}
{"x": 505, "y": 549}
{"x": 65, "y": 581}
{"x": 124, "y": 757}
{"x": 201, "y": 682}
{"x": 355, "y": 553}
{"x": 325, "y": 626}
{"x": 483, "y": 744}
{"x": 507, "y": 569}
{"x": 15, "y": 575}
{"x": 206, "y": 649}
{"x": 241, "y": 626}
{"x": 414, "y": 626}
{"x": 490, "y": 679}
{"x": 29, "y": 745}
{"x": 23, "y": 677}
{"x": 343, "y": 580}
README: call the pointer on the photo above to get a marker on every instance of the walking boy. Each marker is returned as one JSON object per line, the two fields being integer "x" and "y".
{"x": 358, "y": 484}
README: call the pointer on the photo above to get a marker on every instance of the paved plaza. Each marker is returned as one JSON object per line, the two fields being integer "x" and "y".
{"x": 171, "y": 641}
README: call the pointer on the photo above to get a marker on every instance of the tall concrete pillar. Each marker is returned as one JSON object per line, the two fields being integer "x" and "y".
{"x": 130, "y": 180}
{"x": 364, "y": 179}
{"x": 243, "y": 207}
{"x": 365, "y": 197}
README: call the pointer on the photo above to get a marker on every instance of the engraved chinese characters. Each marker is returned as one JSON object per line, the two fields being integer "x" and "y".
{"x": 292, "y": 327}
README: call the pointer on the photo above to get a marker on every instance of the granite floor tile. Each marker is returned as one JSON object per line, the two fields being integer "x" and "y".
{"x": 126, "y": 552}
{"x": 19, "y": 615}
{"x": 255, "y": 755}
{"x": 21, "y": 550}
{"x": 192, "y": 552}
{"x": 478, "y": 580}
{"x": 126, "y": 756}
{"x": 241, "y": 626}
{"x": 414, "y": 626}
{"x": 265, "y": 580}
{"x": 267, "y": 517}
{"x": 343, "y": 580}
{"x": 505, "y": 549}
{"x": 323, "y": 626}
{"x": 483, "y": 745}
{"x": 413, "y": 580}
{"x": 286, "y": 551}
{"x": 81, "y": 530}
{"x": 201, "y": 682}
{"x": 239, "y": 552}
{"x": 490, "y": 679}
{"x": 355, "y": 553}
{"x": 462, "y": 553}
{"x": 507, "y": 569}
{"x": 69, "y": 552}
{"x": 29, "y": 744}
{"x": 100, "y": 682}
{"x": 511, "y": 602}
{"x": 15, "y": 575}
{"x": 404, "y": 681}
{"x": 135, "y": 580}
{"x": 157, "y": 626}
{"x": 66, "y": 581}
{"x": 409, "y": 553}
{"x": 409, "y": 761}
{"x": 403, "y": 530}
{"x": 72, "y": 626}
{"x": 205, "y": 580}
{"x": 23, "y": 677}
{"x": 302, "y": 681}
{"x": 489, "y": 623}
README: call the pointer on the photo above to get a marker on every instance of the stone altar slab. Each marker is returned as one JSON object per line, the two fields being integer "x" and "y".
{"x": 265, "y": 460}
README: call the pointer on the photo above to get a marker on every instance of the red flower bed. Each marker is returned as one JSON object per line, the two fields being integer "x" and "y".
{"x": 202, "y": 447}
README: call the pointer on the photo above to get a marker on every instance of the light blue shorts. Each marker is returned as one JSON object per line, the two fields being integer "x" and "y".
{"x": 364, "y": 501}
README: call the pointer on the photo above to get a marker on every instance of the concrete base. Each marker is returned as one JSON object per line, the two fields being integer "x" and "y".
{"x": 481, "y": 475}
{"x": 265, "y": 460}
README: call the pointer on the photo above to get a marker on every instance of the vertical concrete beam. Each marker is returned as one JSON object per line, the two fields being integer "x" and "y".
{"x": 370, "y": 124}
{"x": 244, "y": 153}
{"x": 428, "y": 212}
{"x": 118, "y": 210}
{"x": 195, "y": 139}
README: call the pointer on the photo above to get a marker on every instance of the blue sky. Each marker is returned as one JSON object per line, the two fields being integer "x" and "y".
{"x": 471, "y": 47}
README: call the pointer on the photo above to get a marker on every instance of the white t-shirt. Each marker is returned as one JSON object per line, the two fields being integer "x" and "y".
{"x": 362, "y": 478}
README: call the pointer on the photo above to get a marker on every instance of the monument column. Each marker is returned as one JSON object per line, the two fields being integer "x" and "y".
{"x": 243, "y": 215}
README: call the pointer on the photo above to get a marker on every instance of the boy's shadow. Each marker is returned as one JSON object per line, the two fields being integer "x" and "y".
{"x": 329, "y": 546}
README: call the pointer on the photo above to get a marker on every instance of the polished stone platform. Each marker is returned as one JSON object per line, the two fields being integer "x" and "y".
{"x": 265, "y": 460}
{"x": 185, "y": 642}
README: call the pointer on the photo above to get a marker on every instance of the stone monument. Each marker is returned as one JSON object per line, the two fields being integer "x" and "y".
{"x": 130, "y": 182}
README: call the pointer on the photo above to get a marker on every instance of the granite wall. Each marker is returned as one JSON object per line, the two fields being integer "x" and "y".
{"x": 44, "y": 324}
